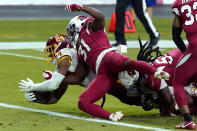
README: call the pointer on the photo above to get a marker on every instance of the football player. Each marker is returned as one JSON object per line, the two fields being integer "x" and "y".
{"x": 60, "y": 52}
{"x": 185, "y": 18}
{"x": 135, "y": 96}
{"x": 94, "y": 49}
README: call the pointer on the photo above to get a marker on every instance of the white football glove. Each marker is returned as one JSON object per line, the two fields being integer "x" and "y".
{"x": 26, "y": 86}
{"x": 30, "y": 96}
{"x": 116, "y": 116}
{"x": 47, "y": 74}
{"x": 161, "y": 75}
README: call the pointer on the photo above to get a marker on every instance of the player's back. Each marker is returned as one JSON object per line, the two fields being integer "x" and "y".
{"x": 168, "y": 63}
{"x": 91, "y": 44}
{"x": 187, "y": 10}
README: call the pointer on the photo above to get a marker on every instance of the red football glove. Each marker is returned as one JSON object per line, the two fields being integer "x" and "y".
{"x": 73, "y": 7}
{"x": 47, "y": 74}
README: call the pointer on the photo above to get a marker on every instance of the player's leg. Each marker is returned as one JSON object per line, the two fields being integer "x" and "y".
{"x": 183, "y": 74}
{"x": 95, "y": 91}
{"x": 150, "y": 4}
{"x": 140, "y": 10}
{"x": 115, "y": 62}
{"x": 121, "y": 7}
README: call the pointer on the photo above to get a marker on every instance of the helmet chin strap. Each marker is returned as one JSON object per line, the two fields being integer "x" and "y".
{"x": 76, "y": 38}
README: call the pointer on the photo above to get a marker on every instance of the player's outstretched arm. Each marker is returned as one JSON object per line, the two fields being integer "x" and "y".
{"x": 51, "y": 84}
{"x": 99, "y": 18}
{"x": 176, "y": 33}
{"x": 46, "y": 97}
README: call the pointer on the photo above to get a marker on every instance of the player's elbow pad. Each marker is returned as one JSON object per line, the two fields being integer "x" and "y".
{"x": 51, "y": 84}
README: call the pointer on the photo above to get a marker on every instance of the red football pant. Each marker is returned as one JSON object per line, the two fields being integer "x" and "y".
{"x": 111, "y": 64}
{"x": 183, "y": 75}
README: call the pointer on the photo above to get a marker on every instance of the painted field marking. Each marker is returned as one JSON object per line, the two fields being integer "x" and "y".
{"x": 42, "y": 44}
{"x": 19, "y": 55}
{"x": 81, "y": 118}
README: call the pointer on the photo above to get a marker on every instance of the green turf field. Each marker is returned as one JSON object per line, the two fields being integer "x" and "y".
{"x": 40, "y": 30}
{"x": 14, "y": 68}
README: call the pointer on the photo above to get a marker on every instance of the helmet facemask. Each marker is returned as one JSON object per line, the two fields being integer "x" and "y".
{"x": 72, "y": 32}
{"x": 74, "y": 27}
{"x": 50, "y": 53}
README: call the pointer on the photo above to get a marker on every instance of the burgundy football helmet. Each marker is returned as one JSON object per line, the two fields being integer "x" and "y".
{"x": 54, "y": 44}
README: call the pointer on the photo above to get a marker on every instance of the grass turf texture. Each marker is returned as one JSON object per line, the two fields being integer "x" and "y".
{"x": 13, "y": 69}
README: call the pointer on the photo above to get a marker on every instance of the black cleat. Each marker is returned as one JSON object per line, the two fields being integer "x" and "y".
{"x": 119, "y": 43}
{"x": 154, "y": 41}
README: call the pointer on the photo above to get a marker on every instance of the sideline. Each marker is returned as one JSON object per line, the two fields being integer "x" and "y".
{"x": 80, "y": 118}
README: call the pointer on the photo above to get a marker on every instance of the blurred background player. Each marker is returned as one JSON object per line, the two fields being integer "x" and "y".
{"x": 140, "y": 10}
{"x": 185, "y": 18}
{"x": 149, "y": 8}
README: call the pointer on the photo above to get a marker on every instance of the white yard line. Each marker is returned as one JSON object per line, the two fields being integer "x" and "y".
{"x": 41, "y": 45}
{"x": 19, "y": 55}
{"x": 81, "y": 118}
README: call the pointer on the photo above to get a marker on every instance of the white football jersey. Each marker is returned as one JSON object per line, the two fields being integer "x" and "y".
{"x": 72, "y": 54}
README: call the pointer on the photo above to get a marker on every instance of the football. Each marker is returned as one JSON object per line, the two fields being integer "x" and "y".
{"x": 46, "y": 96}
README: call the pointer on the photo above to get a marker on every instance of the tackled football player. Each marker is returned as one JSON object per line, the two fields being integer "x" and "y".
{"x": 59, "y": 48}
{"x": 98, "y": 55}
{"x": 136, "y": 95}
{"x": 94, "y": 49}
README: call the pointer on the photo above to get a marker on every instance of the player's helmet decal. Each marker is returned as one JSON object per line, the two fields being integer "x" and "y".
{"x": 54, "y": 44}
{"x": 128, "y": 79}
{"x": 74, "y": 27}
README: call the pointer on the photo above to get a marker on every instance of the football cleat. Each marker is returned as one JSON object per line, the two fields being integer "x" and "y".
{"x": 116, "y": 116}
{"x": 187, "y": 125}
{"x": 154, "y": 41}
{"x": 122, "y": 48}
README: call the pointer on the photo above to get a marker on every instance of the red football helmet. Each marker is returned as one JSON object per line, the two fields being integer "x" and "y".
{"x": 54, "y": 44}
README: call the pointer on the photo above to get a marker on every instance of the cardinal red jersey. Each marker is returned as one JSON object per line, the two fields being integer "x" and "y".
{"x": 187, "y": 10}
{"x": 165, "y": 63}
{"x": 91, "y": 44}
{"x": 168, "y": 63}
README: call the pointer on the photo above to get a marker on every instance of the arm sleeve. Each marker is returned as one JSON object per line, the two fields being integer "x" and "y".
{"x": 176, "y": 35}
{"x": 51, "y": 84}
{"x": 141, "y": 66}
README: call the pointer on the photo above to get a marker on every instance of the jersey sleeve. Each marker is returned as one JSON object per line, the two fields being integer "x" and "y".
{"x": 71, "y": 55}
{"x": 63, "y": 53}
{"x": 175, "y": 8}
